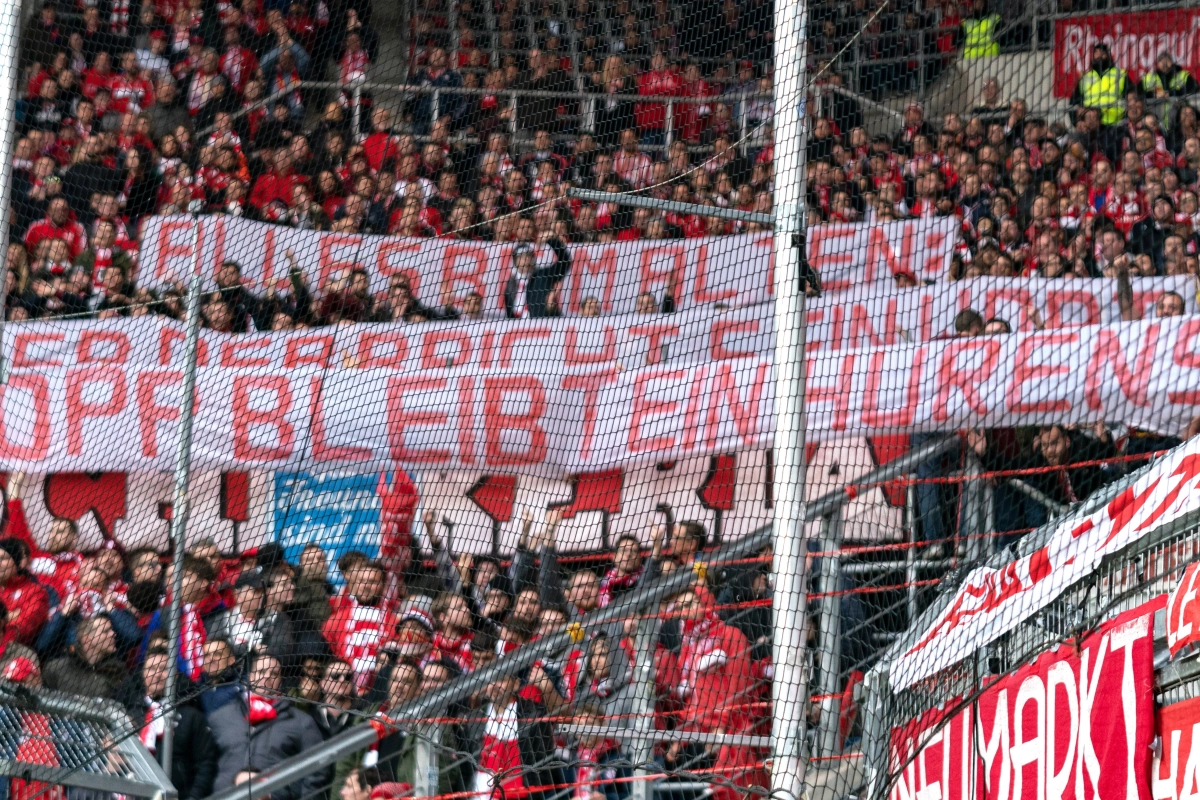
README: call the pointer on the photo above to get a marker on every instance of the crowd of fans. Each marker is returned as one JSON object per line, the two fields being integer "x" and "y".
{"x": 273, "y": 659}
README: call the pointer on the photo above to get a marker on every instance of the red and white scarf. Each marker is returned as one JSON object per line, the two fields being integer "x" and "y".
{"x": 501, "y": 754}
{"x": 700, "y": 651}
{"x": 612, "y": 583}
{"x": 588, "y": 769}
{"x": 191, "y": 642}
{"x": 457, "y": 650}
{"x": 155, "y": 724}
{"x": 363, "y": 631}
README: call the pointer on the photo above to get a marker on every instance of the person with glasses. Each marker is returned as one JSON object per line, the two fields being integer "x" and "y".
{"x": 338, "y": 710}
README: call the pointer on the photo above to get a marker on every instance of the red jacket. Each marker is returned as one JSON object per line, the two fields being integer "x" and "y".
{"x": 380, "y": 149}
{"x": 656, "y": 83}
{"x": 716, "y": 676}
{"x": 131, "y": 94}
{"x": 273, "y": 186}
{"x": 25, "y": 596}
{"x": 94, "y": 82}
{"x": 71, "y": 232}
{"x": 691, "y": 118}
{"x": 238, "y": 65}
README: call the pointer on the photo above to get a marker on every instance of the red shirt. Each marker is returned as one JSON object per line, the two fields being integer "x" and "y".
{"x": 273, "y": 186}
{"x": 656, "y": 83}
{"x": 380, "y": 148}
{"x": 94, "y": 82}
{"x": 71, "y": 232}
{"x": 692, "y": 118}
{"x": 131, "y": 93}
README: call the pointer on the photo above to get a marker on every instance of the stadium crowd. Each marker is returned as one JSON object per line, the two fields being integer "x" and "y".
{"x": 273, "y": 659}
{"x": 139, "y": 109}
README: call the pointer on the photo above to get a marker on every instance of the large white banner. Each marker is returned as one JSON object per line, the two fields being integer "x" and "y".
{"x": 728, "y": 270}
{"x": 991, "y": 602}
{"x": 552, "y": 397}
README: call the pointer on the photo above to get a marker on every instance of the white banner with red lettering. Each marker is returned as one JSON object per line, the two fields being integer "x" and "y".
{"x": 730, "y": 270}
{"x": 1135, "y": 39}
{"x": 990, "y": 602}
{"x": 1075, "y": 723}
{"x": 553, "y": 396}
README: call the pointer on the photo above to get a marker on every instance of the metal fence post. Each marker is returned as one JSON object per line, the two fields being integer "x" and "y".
{"x": 356, "y": 110}
{"x": 669, "y": 127}
{"x": 910, "y": 557}
{"x": 829, "y": 634}
{"x": 512, "y": 123}
{"x": 10, "y": 29}
{"x": 435, "y": 108}
{"x": 643, "y": 704}
{"x": 425, "y": 773}
{"x": 971, "y": 508}
{"x": 179, "y": 508}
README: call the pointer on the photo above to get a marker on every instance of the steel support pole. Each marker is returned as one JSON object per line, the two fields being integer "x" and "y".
{"x": 829, "y": 635}
{"x": 426, "y": 774}
{"x": 10, "y": 47}
{"x": 790, "y": 686}
{"x": 179, "y": 508}
{"x": 643, "y": 703}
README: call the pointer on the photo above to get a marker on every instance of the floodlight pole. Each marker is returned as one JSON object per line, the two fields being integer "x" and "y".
{"x": 10, "y": 52}
{"x": 179, "y": 506}
{"x": 790, "y": 685}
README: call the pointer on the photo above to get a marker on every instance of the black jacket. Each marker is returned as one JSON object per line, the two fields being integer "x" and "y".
{"x": 540, "y": 284}
{"x": 194, "y": 755}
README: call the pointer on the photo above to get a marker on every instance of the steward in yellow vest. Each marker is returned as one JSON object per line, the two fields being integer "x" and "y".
{"x": 1103, "y": 87}
{"x": 979, "y": 32}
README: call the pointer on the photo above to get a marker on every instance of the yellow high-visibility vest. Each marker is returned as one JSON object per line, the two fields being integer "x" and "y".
{"x": 981, "y": 37}
{"x": 1153, "y": 82}
{"x": 1105, "y": 92}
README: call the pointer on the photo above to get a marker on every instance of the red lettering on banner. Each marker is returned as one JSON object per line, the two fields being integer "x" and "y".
{"x": 863, "y": 334}
{"x": 835, "y": 328}
{"x": 645, "y": 410}
{"x": 366, "y": 350}
{"x": 926, "y": 313}
{"x": 296, "y": 355}
{"x": 672, "y": 275}
{"x": 591, "y": 385}
{"x": 475, "y": 276}
{"x": 466, "y": 419}
{"x": 384, "y": 267}
{"x": 935, "y": 246}
{"x": 21, "y": 357}
{"x": 1022, "y": 298}
{"x": 829, "y": 250}
{"x": 1184, "y": 356}
{"x": 167, "y": 338}
{"x": 837, "y": 393}
{"x": 167, "y": 249}
{"x": 217, "y": 223}
{"x": 321, "y": 450}
{"x": 80, "y": 410}
{"x": 1059, "y": 299}
{"x": 654, "y": 332}
{"x": 509, "y": 339}
{"x": 1133, "y": 384}
{"x": 691, "y": 412}
{"x": 398, "y": 419}
{"x": 88, "y": 340}
{"x": 1175, "y": 774}
{"x": 268, "y": 270}
{"x": 893, "y": 417}
{"x": 429, "y": 344}
{"x": 329, "y": 261}
{"x": 582, "y": 264}
{"x": 879, "y": 250}
{"x": 496, "y": 421}
{"x": 725, "y": 393}
{"x": 574, "y": 356}
{"x": 39, "y": 442}
{"x": 231, "y": 352}
{"x": 1024, "y": 372}
{"x": 150, "y": 411}
{"x": 716, "y": 338}
{"x": 487, "y": 349}
{"x": 812, "y": 343}
{"x": 951, "y": 376}
{"x": 702, "y": 295}
{"x": 246, "y": 418}
{"x": 1183, "y": 612}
